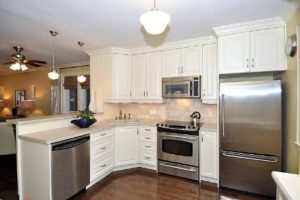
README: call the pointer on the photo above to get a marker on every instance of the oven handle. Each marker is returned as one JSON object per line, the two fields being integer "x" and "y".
{"x": 176, "y": 167}
{"x": 179, "y": 137}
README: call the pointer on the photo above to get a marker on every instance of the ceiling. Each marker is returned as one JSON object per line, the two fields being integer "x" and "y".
{"x": 106, "y": 23}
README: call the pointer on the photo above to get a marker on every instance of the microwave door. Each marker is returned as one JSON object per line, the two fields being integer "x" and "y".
{"x": 177, "y": 89}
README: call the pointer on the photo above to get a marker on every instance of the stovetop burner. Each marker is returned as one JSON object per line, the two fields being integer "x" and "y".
{"x": 178, "y": 127}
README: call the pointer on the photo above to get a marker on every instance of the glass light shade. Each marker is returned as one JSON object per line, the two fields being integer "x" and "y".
{"x": 81, "y": 79}
{"x": 15, "y": 66}
{"x": 24, "y": 67}
{"x": 155, "y": 21}
{"x": 53, "y": 75}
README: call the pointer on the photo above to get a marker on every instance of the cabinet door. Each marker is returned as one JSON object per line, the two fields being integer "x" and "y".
{"x": 122, "y": 76}
{"x": 267, "y": 50}
{"x": 171, "y": 63}
{"x": 126, "y": 146}
{"x": 140, "y": 76}
{"x": 209, "y": 74}
{"x": 234, "y": 53}
{"x": 208, "y": 154}
{"x": 191, "y": 58}
{"x": 154, "y": 76}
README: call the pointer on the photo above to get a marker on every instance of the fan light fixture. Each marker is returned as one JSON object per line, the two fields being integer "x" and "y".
{"x": 154, "y": 21}
{"x": 81, "y": 78}
{"x": 53, "y": 75}
{"x": 17, "y": 66}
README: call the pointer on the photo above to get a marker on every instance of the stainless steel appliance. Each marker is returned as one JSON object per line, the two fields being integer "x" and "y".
{"x": 251, "y": 135}
{"x": 181, "y": 87}
{"x": 70, "y": 167}
{"x": 178, "y": 149}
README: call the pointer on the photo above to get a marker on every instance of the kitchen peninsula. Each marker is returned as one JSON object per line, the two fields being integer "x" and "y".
{"x": 114, "y": 145}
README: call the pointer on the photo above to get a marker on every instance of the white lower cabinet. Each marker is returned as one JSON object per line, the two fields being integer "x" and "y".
{"x": 126, "y": 146}
{"x": 101, "y": 154}
{"x": 148, "y": 142}
{"x": 208, "y": 156}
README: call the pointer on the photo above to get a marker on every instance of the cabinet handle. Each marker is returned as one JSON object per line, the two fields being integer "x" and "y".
{"x": 147, "y": 93}
{"x": 130, "y": 93}
{"x": 148, "y": 157}
{"x": 144, "y": 93}
{"x": 102, "y": 148}
{"x": 147, "y": 138}
{"x": 202, "y": 138}
{"x": 102, "y": 166}
{"x": 148, "y": 146}
{"x": 182, "y": 70}
{"x": 247, "y": 62}
{"x": 104, "y": 134}
{"x": 147, "y": 129}
{"x": 253, "y": 64}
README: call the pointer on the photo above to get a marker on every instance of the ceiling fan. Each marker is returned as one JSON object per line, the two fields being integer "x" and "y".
{"x": 19, "y": 62}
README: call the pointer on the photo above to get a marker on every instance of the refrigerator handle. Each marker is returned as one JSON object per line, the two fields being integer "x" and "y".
{"x": 271, "y": 160}
{"x": 223, "y": 115}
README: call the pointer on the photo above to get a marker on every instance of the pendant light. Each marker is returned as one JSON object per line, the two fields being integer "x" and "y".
{"x": 81, "y": 78}
{"x": 155, "y": 21}
{"x": 53, "y": 75}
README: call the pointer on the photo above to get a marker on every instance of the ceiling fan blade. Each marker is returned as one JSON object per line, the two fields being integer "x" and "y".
{"x": 32, "y": 64}
{"x": 37, "y": 61}
{"x": 8, "y": 63}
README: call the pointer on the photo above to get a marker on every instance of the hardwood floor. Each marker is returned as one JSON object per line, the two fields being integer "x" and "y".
{"x": 8, "y": 178}
{"x": 144, "y": 185}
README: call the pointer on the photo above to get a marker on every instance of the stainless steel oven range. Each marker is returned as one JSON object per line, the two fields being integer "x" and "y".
{"x": 178, "y": 149}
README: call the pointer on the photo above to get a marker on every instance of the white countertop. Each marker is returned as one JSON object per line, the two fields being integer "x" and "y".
{"x": 59, "y": 134}
{"x": 289, "y": 184}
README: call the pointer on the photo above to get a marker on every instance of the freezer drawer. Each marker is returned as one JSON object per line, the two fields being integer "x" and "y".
{"x": 248, "y": 172}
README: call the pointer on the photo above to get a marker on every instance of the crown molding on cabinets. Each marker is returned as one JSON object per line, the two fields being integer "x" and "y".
{"x": 110, "y": 50}
{"x": 75, "y": 64}
{"x": 149, "y": 49}
{"x": 249, "y": 26}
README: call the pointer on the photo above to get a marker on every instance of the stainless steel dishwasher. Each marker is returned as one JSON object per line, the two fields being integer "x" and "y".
{"x": 70, "y": 167}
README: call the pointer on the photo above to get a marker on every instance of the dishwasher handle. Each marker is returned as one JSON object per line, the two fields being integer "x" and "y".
{"x": 68, "y": 144}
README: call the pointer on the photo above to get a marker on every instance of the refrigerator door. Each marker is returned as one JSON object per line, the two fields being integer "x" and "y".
{"x": 250, "y": 117}
{"x": 248, "y": 172}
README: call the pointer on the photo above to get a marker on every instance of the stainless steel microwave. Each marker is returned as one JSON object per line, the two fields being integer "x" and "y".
{"x": 181, "y": 87}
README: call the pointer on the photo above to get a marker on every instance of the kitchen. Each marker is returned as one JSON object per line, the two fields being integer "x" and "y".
{"x": 206, "y": 109}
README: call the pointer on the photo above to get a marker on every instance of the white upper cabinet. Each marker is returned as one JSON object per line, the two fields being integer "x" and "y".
{"x": 126, "y": 146}
{"x": 267, "y": 52}
{"x": 140, "y": 76}
{"x": 154, "y": 76}
{"x": 209, "y": 74}
{"x": 234, "y": 53}
{"x": 252, "y": 47}
{"x": 122, "y": 77}
{"x": 191, "y": 63}
{"x": 183, "y": 62}
{"x": 172, "y": 63}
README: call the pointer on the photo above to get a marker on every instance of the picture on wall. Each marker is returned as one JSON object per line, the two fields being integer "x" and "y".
{"x": 19, "y": 96}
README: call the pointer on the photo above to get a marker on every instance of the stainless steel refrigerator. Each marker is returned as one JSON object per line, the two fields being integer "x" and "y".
{"x": 250, "y": 135}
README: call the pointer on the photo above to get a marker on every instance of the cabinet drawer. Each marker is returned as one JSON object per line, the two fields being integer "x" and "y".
{"x": 148, "y": 130}
{"x": 149, "y": 146}
{"x": 100, "y": 135}
{"x": 148, "y": 157}
{"x": 101, "y": 167}
{"x": 100, "y": 148}
{"x": 148, "y": 137}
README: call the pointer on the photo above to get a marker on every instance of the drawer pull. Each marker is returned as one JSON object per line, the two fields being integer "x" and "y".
{"x": 103, "y": 134}
{"x": 102, "y": 148}
{"x": 148, "y": 157}
{"x": 147, "y": 129}
{"x": 148, "y": 146}
{"x": 147, "y": 138}
{"x": 102, "y": 166}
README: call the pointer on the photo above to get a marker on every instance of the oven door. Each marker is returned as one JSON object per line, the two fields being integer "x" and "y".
{"x": 177, "y": 148}
{"x": 177, "y": 89}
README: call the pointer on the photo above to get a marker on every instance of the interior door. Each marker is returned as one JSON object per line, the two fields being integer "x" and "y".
{"x": 250, "y": 117}
{"x": 234, "y": 53}
{"x": 191, "y": 61}
{"x": 140, "y": 76}
{"x": 267, "y": 50}
{"x": 154, "y": 76}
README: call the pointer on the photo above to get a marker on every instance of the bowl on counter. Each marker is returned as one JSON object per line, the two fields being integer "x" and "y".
{"x": 83, "y": 122}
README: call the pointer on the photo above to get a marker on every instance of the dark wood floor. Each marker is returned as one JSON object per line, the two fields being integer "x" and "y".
{"x": 144, "y": 185}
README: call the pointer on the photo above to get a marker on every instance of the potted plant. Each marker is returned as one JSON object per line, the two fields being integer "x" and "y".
{"x": 85, "y": 119}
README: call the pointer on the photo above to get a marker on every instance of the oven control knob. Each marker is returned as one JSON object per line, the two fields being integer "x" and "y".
{"x": 193, "y": 127}
{"x": 166, "y": 125}
{"x": 189, "y": 127}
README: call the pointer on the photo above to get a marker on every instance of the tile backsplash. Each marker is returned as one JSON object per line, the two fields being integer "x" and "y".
{"x": 172, "y": 109}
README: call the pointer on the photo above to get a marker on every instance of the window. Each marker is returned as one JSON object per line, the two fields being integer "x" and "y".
{"x": 74, "y": 95}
